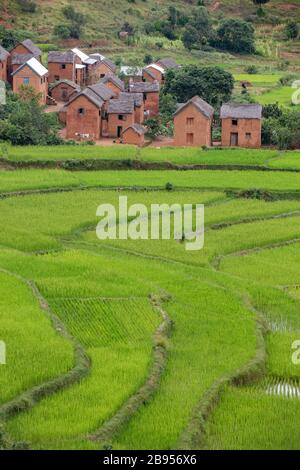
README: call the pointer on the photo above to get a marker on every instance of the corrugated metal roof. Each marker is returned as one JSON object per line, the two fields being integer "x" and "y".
{"x": 156, "y": 67}
{"x": 200, "y": 104}
{"x": 144, "y": 87}
{"x": 241, "y": 111}
{"x": 35, "y": 65}
{"x": 82, "y": 56}
{"x": 97, "y": 56}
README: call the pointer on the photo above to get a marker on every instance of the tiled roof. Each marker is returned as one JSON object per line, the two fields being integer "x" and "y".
{"x": 114, "y": 79}
{"x": 109, "y": 63}
{"x": 61, "y": 57}
{"x": 3, "y": 53}
{"x": 67, "y": 82}
{"x": 90, "y": 95}
{"x": 31, "y": 47}
{"x": 102, "y": 91}
{"x": 200, "y": 104}
{"x": 120, "y": 106}
{"x": 138, "y": 128}
{"x": 136, "y": 97}
{"x": 144, "y": 87}
{"x": 241, "y": 111}
{"x": 168, "y": 63}
{"x": 19, "y": 59}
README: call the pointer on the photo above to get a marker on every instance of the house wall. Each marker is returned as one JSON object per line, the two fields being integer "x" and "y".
{"x": 59, "y": 92}
{"x": 116, "y": 90}
{"x": 151, "y": 103}
{"x": 20, "y": 49}
{"x": 114, "y": 122}
{"x": 252, "y": 126}
{"x": 139, "y": 114}
{"x": 55, "y": 70}
{"x": 40, "y": 84}
{"x": 100, "y": 71}
{"x": 201, "y": 128}
{"x": 157, "y": 74}
{"x": 3, "y": 70}
{"x": 87, "y": 123}
{"x": 130, "y": 136}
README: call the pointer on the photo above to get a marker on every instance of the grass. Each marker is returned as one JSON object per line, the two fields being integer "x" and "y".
{"x": 282, "y": 96}
{"x": 289, "y": 160}
{"x": 121, "y": 360}
{"x": 22, "y": 180}
{"x": 22, "y": 325}
{"x": 100, "y": 291}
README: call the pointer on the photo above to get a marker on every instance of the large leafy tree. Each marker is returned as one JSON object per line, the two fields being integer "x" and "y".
{"x": 235, "y": 35}
{"x": 213, "y": 84}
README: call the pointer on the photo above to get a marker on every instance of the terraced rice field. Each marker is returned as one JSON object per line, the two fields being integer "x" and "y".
{"x": 127, "y": 344}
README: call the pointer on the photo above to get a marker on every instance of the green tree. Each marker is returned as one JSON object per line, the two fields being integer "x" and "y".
{"x": 213, "y": 84}
{"x": 235, "y": 35}
{"x": 291, "y": 30}
{"x": 8, "y": 38}
{"x": 62, "y": 31}
{"x": 190, "y": 37}
{"x": 77, "y": 21}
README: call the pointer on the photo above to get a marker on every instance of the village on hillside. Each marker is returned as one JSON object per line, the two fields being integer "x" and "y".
{"x": 97, "y": 102}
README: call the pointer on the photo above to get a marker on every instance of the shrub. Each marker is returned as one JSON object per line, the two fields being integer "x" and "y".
{"x": 235, "y": 35}
{"x": 291, "y": 30}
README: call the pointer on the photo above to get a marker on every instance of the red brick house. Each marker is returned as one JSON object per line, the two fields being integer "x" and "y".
{"x": 120, "y": 116}
{"x": 114, "y": 83}
{"x": 153, "y": 72}
{"x": 134, "y": 135}
{"x": 193, "y": 123}
{"x": 33, "y": 74}
{"x": 4, "y": 59}
{"x": 241, "y": 125}
{"x": 138, "y": 101}
{"x": 86, "y": 113}
{"x": 105, "y": 67}
{"x": 150, "y": 92}
{"x": 64, "y": 90}
{"x": 62, "y": 66}
{"x": 21, "y": 53}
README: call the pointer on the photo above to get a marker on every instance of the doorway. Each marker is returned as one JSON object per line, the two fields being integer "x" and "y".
{"x": 234, "y": 139}
{"x": 119, "y": 132}
{"x": 190, "y": 139}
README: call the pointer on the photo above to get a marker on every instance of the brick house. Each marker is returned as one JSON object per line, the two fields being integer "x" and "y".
{"x": 193, "y": 123}
{"x": 153, "y": 72}
{"x": 33, "y": 74}
{"x": 21, "y": 53}
{"x": 86, "y": 113}
{"x": 4, "y": 59}
{"x": 150, "y": 92}
{"x": 241, "y": 125}
{"x": 120, "y": 116}
{"x": 157, "y": 71}
{"x": 134, "y": 135}
{"x": 62, "y": 66}
{"x": 104, "y": 67}
{"x": 138, "y": 101}
{"x": 64, "y": 89}
{"x": 114, "y": 83}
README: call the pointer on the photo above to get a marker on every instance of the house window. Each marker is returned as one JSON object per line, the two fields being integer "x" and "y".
{"x": 102, "y": 75}
{"x": 234, "y": 122}
{"x": 63, "y": 66}
{"x": 26, "y": 81}
{"x": 121, "y": 117}
{"x": 189, "y": 121}
{"x": 81, "y": 111}
{"x": 56, "y": 78}
{"x": 248, "y": 135}
{"x": 190, "y": 139}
